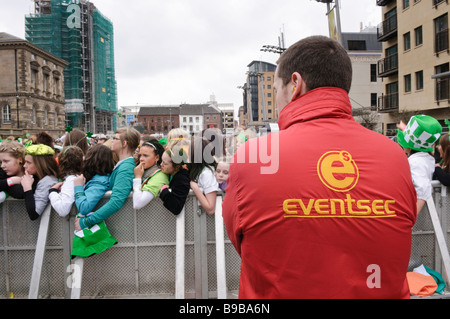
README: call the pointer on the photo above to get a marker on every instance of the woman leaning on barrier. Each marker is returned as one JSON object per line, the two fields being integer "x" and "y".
{"x": 40, "y": 165}
{"x": 125, "y": 142}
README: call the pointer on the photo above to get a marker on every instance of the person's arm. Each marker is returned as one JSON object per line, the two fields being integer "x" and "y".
{"x": 123, "y": 184}
{"x": 87, "y": 197}
{"x": 140, "y": 198}
{"x": 62, "y": 202}
{"x": 207, "y": 201}
{"x": 442, "y": 176}
{"x": 174, "y": 196}
{"x": 231, "y": 211}
{"x": 207, "y": 198}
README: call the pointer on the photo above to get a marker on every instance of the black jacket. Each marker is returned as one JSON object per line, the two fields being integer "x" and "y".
{"x": 175, "y": 196}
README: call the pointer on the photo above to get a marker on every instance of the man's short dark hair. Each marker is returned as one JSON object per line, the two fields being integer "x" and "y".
{"x": 321, "y": 61}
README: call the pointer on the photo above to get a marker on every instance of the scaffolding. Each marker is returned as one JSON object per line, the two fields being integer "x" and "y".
{"x": 78, "y": 33}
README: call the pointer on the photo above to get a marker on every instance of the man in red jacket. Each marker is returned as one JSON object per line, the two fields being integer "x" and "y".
{"x": 335, "y": 219}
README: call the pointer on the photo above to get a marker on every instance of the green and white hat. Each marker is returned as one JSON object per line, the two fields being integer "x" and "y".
{"x": 421, "y": 132}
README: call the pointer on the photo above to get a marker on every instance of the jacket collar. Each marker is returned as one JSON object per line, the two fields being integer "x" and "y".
{"x": 323, "y": 102}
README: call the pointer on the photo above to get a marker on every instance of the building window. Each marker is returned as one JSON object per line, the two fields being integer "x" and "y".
{"x": 407, "y": 83}
{"x": 407, "y": 41}
{"x": 6, "y": 113}
{"x": 405, "y": 4}
{"x": 55, "y": 119}
{"x": 46, "y": 77}
{"x": 34, "y": 75}
{"x": 442, "y": 84}
{"x": 441, "y": 33}
{"x": 373, "y": 73}
{"x": 357, "y": 45}
{"x": 33, "y": 114}
{"x": 373, "y": 99}
{"x": 419, "y": 80}
{"x": 418, "y": 35}
{"x": 46, "y": 116}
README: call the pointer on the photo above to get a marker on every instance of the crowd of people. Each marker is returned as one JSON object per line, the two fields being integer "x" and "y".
{"x": 79, "y": 169}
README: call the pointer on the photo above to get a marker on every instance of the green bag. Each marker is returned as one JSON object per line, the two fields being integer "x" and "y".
{"x": 91, "y": 241}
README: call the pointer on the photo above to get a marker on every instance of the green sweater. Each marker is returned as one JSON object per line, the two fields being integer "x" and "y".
{"x": 121, "y": 184}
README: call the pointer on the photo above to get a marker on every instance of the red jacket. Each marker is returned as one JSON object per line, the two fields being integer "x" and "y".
{"x": 335, "y": 220}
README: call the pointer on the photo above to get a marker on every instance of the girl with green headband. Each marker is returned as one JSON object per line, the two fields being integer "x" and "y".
{"x": 148, "y": 177}
{"x": 40, "y": 165}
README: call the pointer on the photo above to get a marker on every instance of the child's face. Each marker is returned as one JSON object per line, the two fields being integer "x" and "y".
{"x": 148, "y": 157}
{"x": 29, "y": 165}
{"x": 167, "y": 164}
{"x": 10, "y": 164}
{"x": 222, "y": 172}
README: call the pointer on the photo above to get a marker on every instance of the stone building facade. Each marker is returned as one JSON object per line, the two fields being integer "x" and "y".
{"x": 31, "y": 89}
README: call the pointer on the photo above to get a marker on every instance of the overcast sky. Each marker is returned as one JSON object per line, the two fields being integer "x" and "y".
{"x": 182, "y": 51}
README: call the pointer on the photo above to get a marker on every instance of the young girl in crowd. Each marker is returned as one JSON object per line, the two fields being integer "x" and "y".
{"x": 442, "y": 169}
{"x": 174, "y": 195}
{"x": 89, "y": 188}
{"x": 125, "y": 142}
{"x": 222, "y": 168}
{"x": 148, "y": 177}
{"x": 418, "y": 139}
{"x": 40, "y": 165}
{"x": 93, "y": 182}
{"x": 201, "y": 170}
{"x": 61, "y": 194}
{"x": 12, "y": 158}
{"x": 78, "y": 138}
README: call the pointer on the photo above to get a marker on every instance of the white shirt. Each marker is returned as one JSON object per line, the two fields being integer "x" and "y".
{"x": 62, "y": 202}
{"x": 422, "y": 168}
{"x": 207, "y": 181}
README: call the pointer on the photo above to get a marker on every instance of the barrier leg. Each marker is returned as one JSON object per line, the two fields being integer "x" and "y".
{"x": 40, "y": 252}
{"x": 180, "y": 255}
{"x": 440, "y": 239}
{"x": 74, "y": 281}
{"x": 220, "y": 251}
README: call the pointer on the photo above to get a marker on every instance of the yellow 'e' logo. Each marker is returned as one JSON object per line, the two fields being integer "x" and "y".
{"x": 338, "y": 171}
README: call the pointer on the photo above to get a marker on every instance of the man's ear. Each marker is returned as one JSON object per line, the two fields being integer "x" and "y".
{"x": 299, "y": 87}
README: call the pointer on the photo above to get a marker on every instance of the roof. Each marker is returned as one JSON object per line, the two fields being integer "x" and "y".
{"x": 184, "y": 109}
{"x": 6, "y": 37}
{"x": 370, "y": 39}
{"x": 159, "y": 110}
{"x": 8, "y": 40}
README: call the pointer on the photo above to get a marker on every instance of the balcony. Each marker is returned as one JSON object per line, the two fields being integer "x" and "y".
{"x": 388, "y": 103}
{"x": 387, "y": 29}
{"x": 383, "y": 2}
{"x": 441, "y": 41}
{"x": 388, "y": 66}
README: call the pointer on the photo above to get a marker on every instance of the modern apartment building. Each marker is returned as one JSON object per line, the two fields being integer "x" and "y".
{"x": 415, "y": 63}
{"x": 259, "y": 107}
{"x": 31, "y": 89}
{"x": 76, "y": 31}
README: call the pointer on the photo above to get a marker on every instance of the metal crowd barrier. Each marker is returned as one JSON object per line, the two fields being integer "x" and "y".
{"x": 159, "y": 255}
